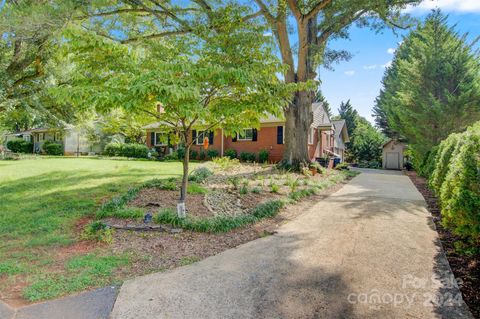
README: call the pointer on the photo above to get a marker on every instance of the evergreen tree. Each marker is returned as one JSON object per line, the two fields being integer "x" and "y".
{"x": 432, "y": 88}
{"x": 349, "y": 114}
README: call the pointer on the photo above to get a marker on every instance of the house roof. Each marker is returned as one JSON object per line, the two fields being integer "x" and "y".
{"x": 341, "y": 129}
{"x": 320, "y": 118}
{"x": 392, "y": 140}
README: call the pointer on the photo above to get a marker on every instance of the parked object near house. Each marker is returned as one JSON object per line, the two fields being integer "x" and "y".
{"x": 74, "y": 140}
{"x": 393, "y": 156}
{"x": 269, "y": 137}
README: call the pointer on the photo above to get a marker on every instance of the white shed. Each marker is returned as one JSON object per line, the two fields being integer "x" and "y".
{"x": 393, "y": 154}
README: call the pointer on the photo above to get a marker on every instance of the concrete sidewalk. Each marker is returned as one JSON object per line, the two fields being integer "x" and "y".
{"x": 368, "y": 251}
{"x": 95, "y": 304}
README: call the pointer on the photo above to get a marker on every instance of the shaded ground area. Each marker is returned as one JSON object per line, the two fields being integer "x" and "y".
{"x": 367, "y": 251}
{"x": 466, "y": 268}
{"x": 164, "y": 251}
{"x": 44, "y": 205}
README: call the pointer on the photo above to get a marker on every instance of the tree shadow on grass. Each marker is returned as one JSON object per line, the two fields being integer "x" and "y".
{"x": 48, "y": 204}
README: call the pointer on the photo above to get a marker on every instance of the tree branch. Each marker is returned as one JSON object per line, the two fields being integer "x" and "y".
{"x": 322, "y": 4}
{"x": 154, "y": 36}
{"x": 266, "y": 13}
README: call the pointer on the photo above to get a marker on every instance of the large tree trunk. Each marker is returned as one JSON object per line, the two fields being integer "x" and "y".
{"x": 299, "y": 115}
{"x": 298, "y": 118}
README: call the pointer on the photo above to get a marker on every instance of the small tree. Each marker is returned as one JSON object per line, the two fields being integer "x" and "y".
{"x": 228, "y": 80}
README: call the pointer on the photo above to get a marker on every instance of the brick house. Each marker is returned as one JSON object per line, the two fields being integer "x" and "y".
{"x": 270, "y": 136}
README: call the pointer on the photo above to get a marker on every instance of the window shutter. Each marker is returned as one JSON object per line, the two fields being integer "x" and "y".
{"x": 194, "y": 136}
{"x": 254, "y": 134}
{"x": 234, "y": 138}
{"x": 152, "y": 139}
{"x": 210, "y": 138}
{"x": 279, "y": 134}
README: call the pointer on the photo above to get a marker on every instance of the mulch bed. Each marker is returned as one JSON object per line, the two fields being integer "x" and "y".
{"x": 154, "y": 199}
{"x": 466, "y": 268}
{"x": 161, "y": 251}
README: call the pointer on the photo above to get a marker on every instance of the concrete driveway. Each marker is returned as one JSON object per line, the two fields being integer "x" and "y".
{"x": 367, "y": 251}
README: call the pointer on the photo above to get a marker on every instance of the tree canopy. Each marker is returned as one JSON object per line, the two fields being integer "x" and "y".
{"x": 432, "y": 88}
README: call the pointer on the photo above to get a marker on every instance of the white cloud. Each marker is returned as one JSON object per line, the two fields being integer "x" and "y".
{"x": 387, "y": 65}
{"x": 448, "y": 5}
{"x": 370, "y": 67}
{"x": 349, "y": 73}
{"x": 267, "y": 34}
{"x": 391, "y": 51}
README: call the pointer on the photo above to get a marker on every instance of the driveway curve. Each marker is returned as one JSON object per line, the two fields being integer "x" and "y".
{"x": 368, "y": 251}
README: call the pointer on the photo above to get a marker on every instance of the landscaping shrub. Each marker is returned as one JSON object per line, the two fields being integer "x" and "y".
{"x": 231, "y": 153}
{"x": 234, "y": 180}
{"x": 219, "y": 223}
{"x": 171, "y": 157}
{"x": 112, "y": 149}
{"x": 460, "y": 191}
{"x": 20, "y": 146}
{"x": 212, "y": 153}
{"x": 225, "y": 163}
{"x": 369, "y": 164}
{"x": 126, "y": 150}
{"x": 52, "y": 148}
{"x": 200, "y": 174}
{"x": 193, "y": 154}
{"x": 446, "y": 150}
{"x": 263, "y": 156}
{"x": 427, "y": 165}
{"x": 181, "y": 152}
{"x": 134, "y": 150}
{"x": 194, "y": 188}
{"x": 342, "y": 166}
{"x": 316, "y": 165}
{"x": 247, "y": 157}
{"x": 202, "y": 156}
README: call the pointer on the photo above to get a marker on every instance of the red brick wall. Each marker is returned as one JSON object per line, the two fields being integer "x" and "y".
{"x": 266, "y": 139}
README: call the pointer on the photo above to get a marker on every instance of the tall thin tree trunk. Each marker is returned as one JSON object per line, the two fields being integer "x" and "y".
{"x": 183, "y": 188}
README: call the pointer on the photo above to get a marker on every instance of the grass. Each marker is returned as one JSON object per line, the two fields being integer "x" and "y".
{"x": 82, "y": 272}
{"x": 42, "y": 199}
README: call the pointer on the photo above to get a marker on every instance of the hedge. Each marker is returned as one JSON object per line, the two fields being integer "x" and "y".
{"x": 456, "y": 179}
{"x": 446, "y": 150}
{"x": 52, "y": 148}
{"x": 126, "y": 150}
{"x": 20, "y": 146}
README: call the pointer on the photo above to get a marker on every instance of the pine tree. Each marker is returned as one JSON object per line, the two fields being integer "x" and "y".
{"x": 349, "y": 114}
{"x": 432, "y": 88}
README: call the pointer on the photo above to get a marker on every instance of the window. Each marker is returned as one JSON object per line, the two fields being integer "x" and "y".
{"x": 161, "y": 139}
{"x": 201, "y": 135}
{"x": 280, "y": 134}
{"x": 245, "y": 135}
{"x": 310, "y": 136}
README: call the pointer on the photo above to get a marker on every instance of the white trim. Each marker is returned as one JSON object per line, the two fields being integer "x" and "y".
{"x": 310, "y": 136}
{"x": 197, "y": 142}
{"x": 239, "y": 138}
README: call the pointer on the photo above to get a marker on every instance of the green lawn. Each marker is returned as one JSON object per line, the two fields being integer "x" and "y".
{"x": 41, "y": 200}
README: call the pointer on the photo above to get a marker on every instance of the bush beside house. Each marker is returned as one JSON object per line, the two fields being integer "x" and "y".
{"x": 127, "y": 150}
{"x": 52, "y": 148}
{"x": 20, "y": 146}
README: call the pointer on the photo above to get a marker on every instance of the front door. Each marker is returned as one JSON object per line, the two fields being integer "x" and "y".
{"x": 393, "y": 160}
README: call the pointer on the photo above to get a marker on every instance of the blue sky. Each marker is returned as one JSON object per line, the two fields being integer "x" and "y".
{"x": 359, "y": 79}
